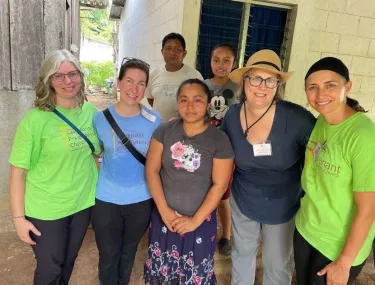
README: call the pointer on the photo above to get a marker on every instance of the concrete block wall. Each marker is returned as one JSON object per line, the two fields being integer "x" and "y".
{"x": 13, "y": 105}
{"x": 346, "y": 29}
{"x": 143, "y": 25}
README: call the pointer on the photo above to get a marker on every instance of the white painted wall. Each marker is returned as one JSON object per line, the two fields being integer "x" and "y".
{"x": 95, "y": 51}
{"x": 143, "y": 25}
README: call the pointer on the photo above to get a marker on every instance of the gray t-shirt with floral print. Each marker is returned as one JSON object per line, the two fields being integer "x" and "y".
{"x": 186, "y": 171}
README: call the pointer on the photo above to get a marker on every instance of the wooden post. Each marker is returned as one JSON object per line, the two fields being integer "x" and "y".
{"x": 26, "y": 42}
{"x": 54, "y": 18}
{"x": 76, "y": 27}
{"x": 5, "y": 78}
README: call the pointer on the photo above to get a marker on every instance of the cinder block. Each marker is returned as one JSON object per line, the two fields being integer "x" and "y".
{"x": 319, "y": 22}
{"x": 342, "y": 23}
{"x": 368, "y": 85}
{"x": 313, "y": 57}
{"x": 366, "y": 27}
{"x": 346, "y": 59}
{"x": 159, "y": 3}
{"x": 169, "y": 10}
{"x": 331, "y": 5}
{"x": 357, "y": 82}
{"x": 364, "y": 8}
{"x": 371, "y": 50}
{"x": 324, "y": 42}
{"x": 354, "y": 45}
{"x": 365, "y": 100}
{"x": 363, "y": 66}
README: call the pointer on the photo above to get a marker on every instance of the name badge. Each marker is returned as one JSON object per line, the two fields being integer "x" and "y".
{"x": 262, "y": 149}
{"x": 148, "y": 116}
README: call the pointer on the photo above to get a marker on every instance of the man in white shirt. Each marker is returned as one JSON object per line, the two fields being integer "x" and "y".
{"x": 165, "y": 80}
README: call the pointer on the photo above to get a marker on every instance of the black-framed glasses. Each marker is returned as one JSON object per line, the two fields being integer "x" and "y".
{"x": 257, "y": 81}
{"x": 126, "y": 59}
{"x": 60, "y": 77}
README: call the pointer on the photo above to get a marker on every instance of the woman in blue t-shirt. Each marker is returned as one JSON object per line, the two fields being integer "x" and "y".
{"x": 268, "y": 136}
{"x": 123, "y": 206}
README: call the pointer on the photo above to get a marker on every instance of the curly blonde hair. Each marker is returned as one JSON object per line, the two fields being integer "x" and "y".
{"x": 45, "y": 93}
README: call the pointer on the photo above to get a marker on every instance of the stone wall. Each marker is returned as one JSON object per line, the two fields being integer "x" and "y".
{"x": 346, "y": 29}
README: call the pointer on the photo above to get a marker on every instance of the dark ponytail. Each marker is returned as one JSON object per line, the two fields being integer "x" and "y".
{"x": 354, "y": 104}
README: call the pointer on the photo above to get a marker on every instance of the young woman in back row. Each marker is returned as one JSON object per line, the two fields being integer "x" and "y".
{"x": 223, "y": 91}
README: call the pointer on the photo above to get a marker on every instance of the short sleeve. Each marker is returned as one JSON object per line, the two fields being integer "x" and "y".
{"x": 96, "y": 122}
{"x": 363, "y": 165}
{"x": 158, "y": 120}
{"x": 224, "y": 148}
{"x": 159, "y": 134}
{"x": 21, "y": 153}
{"x": 148, "y": 94}
{"x": 199, "y": 75}
{"x": 223, "y": 126}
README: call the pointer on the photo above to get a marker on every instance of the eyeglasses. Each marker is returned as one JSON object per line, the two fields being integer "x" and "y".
{"x": 173, "y": 49}
{"x": 126, "y": 59}
{"x": 60, "y": 77}
{"x": 257, "y": 81}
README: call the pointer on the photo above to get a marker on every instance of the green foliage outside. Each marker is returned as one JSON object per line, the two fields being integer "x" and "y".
{"x": 97, "y": 72}
{"x": 95, "y": 25}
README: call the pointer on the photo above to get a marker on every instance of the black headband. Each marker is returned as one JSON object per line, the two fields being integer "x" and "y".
{"x": 332, "y": 64}
{"x": 267, "y": 63}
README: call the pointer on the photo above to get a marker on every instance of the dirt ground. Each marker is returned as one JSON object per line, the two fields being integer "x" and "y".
{"x": 100, "y": 100}
{"x": 17, "y": 263}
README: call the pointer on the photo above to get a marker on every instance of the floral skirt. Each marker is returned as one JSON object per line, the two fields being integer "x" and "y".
{"x": 175, "y": 260}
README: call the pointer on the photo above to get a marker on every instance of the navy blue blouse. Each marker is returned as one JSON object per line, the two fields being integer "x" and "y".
{"x": 267, "y": 189}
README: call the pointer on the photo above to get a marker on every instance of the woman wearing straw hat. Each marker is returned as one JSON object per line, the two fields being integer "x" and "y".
{"x": 268, "y": 136}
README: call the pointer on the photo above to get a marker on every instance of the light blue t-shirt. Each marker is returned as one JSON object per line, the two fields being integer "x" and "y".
{"x": 122, "y": 177}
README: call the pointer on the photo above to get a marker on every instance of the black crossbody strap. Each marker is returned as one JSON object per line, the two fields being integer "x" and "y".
{"x": 124, "y": 139}
{"x": 78, "y": 131}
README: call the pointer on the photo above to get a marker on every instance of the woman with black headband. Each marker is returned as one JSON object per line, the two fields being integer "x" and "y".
{"x": 335, "y": 224}
{"x": 268, "y": 136}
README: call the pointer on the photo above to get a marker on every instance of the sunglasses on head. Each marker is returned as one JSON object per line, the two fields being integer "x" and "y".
{"x": 126, "y": 59}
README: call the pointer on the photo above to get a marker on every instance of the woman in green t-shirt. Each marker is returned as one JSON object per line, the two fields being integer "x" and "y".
{"x": 53, "y": 172}
{"x": 335, "y": 224}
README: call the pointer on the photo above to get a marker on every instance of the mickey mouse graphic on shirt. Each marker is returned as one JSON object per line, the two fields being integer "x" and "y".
{"x": 219, "y": 106}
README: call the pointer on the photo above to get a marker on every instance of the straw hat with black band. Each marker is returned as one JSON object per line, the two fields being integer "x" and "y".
{"x": 264, "y": 59}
